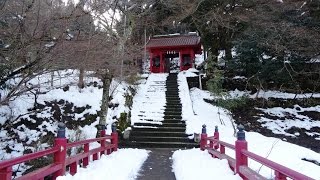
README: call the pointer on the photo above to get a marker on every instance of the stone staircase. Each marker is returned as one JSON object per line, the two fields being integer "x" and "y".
{"x": 169, "y": 134}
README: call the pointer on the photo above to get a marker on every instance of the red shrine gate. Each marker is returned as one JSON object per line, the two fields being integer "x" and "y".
{"x": 163, "y": 49}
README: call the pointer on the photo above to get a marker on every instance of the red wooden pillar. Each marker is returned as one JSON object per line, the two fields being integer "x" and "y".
{"x": 181, "y": 60}
{"x": 192, "y": 56}
{"x": 203, "y": 141}
{"x": 241, "y": 144}
{"x": 279, "y": 176}
{"x": 161, "y": 63}
{"x": 151, "y": 63}
{"x": 114, "y": 137}
{"x": 6, "y": 173}
{"x": 103, "y": 142}
{"x": 95, "y": 156}
{"x": 86, "y": 159}
{"x": 216, "y": 136}
{"x": 60, "y": 156}
{"x": 73, "y": 168}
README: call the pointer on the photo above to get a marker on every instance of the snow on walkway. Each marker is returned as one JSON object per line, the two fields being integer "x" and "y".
{"x": 123, "y": 164}
{"x": 149, "y": 102}
{"x": 195, "y": 164}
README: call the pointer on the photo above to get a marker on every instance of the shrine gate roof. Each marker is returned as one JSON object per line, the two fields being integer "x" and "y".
{"x": 173, "y": 41}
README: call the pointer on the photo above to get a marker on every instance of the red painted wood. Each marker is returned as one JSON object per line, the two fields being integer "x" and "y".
{"x": 73, "y": 168}
{"x": 240, "y": 164}
{"x": 60, "y": 160}
{"x": 108, "y": 151}
{"x": 279, "y": 176}
{"x": 217, "y": 154}
{"x": 76, "y": 158}
{"x": 114, "y": 141}
{"x": 27, "y": 157}
{"x": 250, "y": 174}
{"x": 95, "y": 156}
{"x": 103, "y": 142}
{"x": 85, "y": 160}
{"x": 60, "y": 156}
{"x": 6, "y": 173}
{"x": 230, "y": 146}
{"x": 203, "y": 141}
{"x": 241, "y": 159}
{"x": 222, "y": 149}
{"x": 216, "y": 136}
{"x": 79, "y": 143}
{"x": 41, "y": 173}
{"x": 275, "y": 166}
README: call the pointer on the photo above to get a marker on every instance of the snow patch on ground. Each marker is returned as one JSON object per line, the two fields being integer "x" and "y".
{"x": 123, "y": 164}
{"x": 286, "y": 118}
{"x": 272, "y": 94}
{"x": 195, "y": 164}
{"x": 190, "y": 72}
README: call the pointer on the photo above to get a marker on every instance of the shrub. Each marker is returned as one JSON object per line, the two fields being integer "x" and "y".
{"x": 232, "y": 104}
{"x": 122, "y": 122}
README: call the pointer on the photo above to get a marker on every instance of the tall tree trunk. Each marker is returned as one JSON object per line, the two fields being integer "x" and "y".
{"x": 212, "y": 61}
{"x": 228, "y": 51}
{"x": 105, "y": 98}
{"x": 81, "y": 77}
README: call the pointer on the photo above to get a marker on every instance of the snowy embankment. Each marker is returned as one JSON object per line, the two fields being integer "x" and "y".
{"x": 123, "y": 164}
{"x": 272, "y": 94}
{"x": 148, "y": 103}
{"x": 287, "y": 118}
{"x": 293, "y": 120}
{"x": 24, "y": 128}
{"x": 195, "y": 164}
{"x": 279, "y": 151}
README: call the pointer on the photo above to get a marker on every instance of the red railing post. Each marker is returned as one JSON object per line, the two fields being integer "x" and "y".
{"x": 60, "y": 156}
{"x": 86, "y": 159}
{"x": 216, "y": 136}
{"x": 73, "y": 168}
{"x": 103, "y": 142}
{"x": 222, "y": 149}
{"x": 95, "y": 156}
{"x": 6, "y": 173}
{"x": 114, "y": 136}
{"x": 279, "y": 176}
{"x": 241, "y": 143}
{"x": 203, "y": 141}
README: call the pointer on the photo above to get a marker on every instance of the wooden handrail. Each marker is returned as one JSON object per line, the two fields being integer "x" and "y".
{"x": 58, "y": 167}
{"x": 82, "y": 142}
{"x": 28, "y": 157}
{"x": 240, "y": 163}
{"x": 275, "y": 166}
{"x": 212, "y": 138}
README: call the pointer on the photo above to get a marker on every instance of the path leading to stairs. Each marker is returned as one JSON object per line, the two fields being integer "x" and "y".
{"x": 158, "y": 166}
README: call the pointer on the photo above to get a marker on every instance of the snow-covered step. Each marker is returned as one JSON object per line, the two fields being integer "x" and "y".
{"x": 167, "y": 124}
{"x": 159, "y": 133}
{"x": 151, "y": 144}
{"x": 157, "y": 129}
{"x": 161, "y": 139}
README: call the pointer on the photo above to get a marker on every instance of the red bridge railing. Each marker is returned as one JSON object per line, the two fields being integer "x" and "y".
{"x": 108, "y": 144}
{"x": 240, "y": 164}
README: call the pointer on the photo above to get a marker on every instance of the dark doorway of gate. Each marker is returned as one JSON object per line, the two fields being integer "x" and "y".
{"x": 172, "y": 62}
